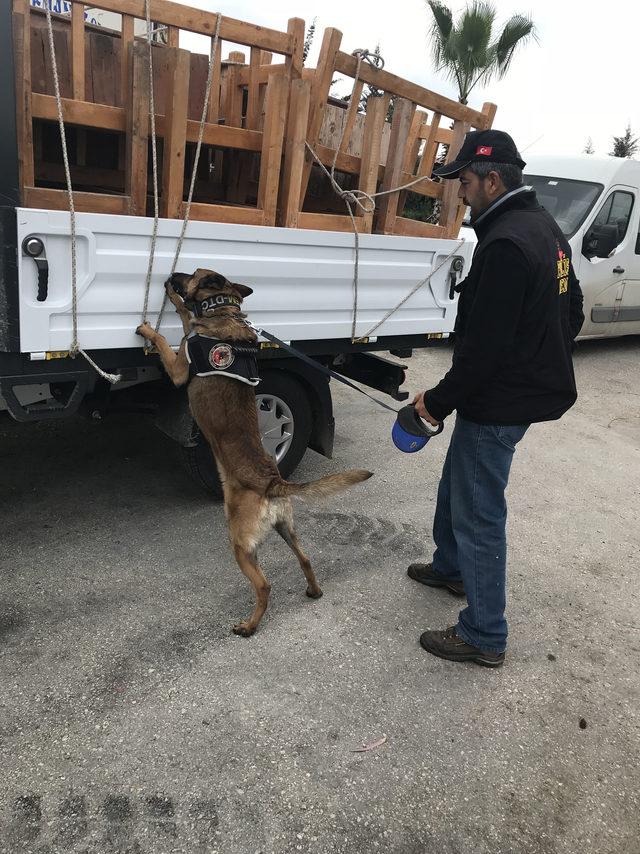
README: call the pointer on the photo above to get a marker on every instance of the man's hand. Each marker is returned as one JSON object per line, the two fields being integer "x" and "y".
{"x": 418, "y": 403}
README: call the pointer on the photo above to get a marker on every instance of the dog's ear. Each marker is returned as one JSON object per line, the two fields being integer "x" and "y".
{"x": 242, "y": 290}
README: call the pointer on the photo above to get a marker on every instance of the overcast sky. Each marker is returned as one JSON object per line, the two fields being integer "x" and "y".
{"x": 579, "y": 81}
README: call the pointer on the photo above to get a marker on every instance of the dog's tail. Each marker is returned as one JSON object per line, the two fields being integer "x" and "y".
{"x": 325, "y": 486}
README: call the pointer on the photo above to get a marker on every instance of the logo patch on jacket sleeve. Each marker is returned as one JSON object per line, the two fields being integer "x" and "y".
{"x": 221, "y": 357}
{"x": 563, "y": 264}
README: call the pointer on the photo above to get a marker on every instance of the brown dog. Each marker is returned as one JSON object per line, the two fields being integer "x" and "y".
{"x": 256, "y": 498}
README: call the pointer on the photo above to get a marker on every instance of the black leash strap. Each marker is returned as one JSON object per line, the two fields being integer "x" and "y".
{"x": 323, "y": 370}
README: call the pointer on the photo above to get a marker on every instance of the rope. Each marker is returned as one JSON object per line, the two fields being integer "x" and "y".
{"x": 75, "y": 346}
{"x": 154, "y": 157}
{"x": 367, "y": 204}
{"x": 203, "y": 119}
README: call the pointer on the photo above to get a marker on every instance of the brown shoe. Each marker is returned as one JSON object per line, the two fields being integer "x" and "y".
{"x": 448, "y": 645}
{"x": 423, "y": 572}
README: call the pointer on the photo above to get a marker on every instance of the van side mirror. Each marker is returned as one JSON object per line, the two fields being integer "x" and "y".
{"x": 600, "y": 241}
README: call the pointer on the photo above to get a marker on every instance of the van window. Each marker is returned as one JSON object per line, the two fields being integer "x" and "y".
{"x": 567, "y": 201}
{"x": 616, "y": 211}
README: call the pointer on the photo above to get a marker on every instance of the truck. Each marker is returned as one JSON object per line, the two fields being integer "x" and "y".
{"x": 261, "y": 215}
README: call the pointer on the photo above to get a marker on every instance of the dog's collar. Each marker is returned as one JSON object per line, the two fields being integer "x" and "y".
{"x": 201, "y": 307}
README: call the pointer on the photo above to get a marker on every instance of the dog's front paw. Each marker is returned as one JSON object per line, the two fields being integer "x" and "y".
{"x": 244, "y": 629}
{"x": 145, "y": 330}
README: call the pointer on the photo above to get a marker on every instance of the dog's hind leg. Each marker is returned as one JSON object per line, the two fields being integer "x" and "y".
{"x": 248, "y": 563}
{"x": 286, "y": 530}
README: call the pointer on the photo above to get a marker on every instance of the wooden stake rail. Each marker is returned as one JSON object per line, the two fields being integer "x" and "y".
{"x": 238, "y": 138}
{"x": 410, "y": 154}
{"x": 255, "y": 167}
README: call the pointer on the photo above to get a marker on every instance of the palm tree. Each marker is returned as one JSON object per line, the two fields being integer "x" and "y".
{"x": 465, "y": 51}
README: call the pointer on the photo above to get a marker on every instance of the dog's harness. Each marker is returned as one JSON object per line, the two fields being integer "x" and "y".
{"x": 211, "y": 357}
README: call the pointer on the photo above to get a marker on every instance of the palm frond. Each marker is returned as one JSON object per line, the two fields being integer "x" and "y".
{"x": 517, "y": 31}
{"x": 443, "y": 19}
{"x": 440, "y": 31}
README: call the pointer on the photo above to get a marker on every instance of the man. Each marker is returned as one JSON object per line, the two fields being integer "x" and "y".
{"x": 520, "y": 309}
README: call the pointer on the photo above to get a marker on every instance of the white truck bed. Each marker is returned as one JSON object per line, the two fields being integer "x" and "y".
{"x": 302, "y": 280}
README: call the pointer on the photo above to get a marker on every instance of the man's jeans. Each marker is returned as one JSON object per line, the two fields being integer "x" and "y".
{"x": 469, "y": 528}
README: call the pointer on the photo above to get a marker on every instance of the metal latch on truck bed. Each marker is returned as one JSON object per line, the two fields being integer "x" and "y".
{"x": 34, "y": 248}
{"x": 454, "y": 271}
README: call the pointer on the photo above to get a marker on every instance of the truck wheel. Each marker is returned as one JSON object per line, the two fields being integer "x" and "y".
{"x": 284, "y": 420}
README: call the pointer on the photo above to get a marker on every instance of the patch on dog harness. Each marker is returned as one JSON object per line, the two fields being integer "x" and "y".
{"x": 211, "y": 357}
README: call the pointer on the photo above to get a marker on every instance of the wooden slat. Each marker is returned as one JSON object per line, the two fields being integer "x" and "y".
{"x": 173, "y": 36}
{"x": 235, "y": 165}
{"x": 413, "y": 142}
{"x": 349, "y": 163}
{"x": 294, "y": 152}
{"x": 426, "y": 188}
{"x": 264, "y": 72}
{"x": 430, "y": 150}
{"x": 489, "y": 112}
{"x": 321, "y": 83}
{"x": 388, "y": 205}
{"x": 450, "y": 201}
{"x": 272, "y": 144}
{"x": 253, "y": 93}
{"x": 126, "y": 40}
{"x": 57, "y": 200}
{"x": 201, "y": 21}
{"x": 138, "y": 131}
{"x": 352, "y": 112}
{"x": 22, "y": 61}
{"x": 294, "y": 62}
{"x": 77, "y": 50}
{"x": 224, "y": 213}
{"x": 114, "y": 118}
{"x": 443, "y": 135}
{"x": 411, "y": 154}
{"x": 416, "y": 228}
{"x": 175, "y": 132}
{"x": 329, "y": 222}
{"x": 372, "y": 142}
{"x": 213, "y": 111}
{"x": 245, "y": 140}
{"x": 234, "y": 94}
{"x": 347, "y": 64}
{"x": 79, "y": 112}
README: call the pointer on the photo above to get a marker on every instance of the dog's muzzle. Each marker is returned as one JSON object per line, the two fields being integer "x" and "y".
{"x": 177, "y": 286}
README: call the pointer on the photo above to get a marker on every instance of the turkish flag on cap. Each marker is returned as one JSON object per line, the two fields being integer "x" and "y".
{"x": 484, "y": 150}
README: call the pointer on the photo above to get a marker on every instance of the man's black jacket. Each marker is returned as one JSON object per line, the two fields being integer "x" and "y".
{"x": 520, "y": 309}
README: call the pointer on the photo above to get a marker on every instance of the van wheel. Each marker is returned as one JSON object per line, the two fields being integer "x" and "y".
{"x": 284, "y": 420}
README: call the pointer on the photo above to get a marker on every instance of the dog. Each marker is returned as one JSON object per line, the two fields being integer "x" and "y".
{"x": 256, "y": 498}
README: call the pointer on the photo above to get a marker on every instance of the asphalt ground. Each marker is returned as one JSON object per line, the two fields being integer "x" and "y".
{"x": 133, "y": 720}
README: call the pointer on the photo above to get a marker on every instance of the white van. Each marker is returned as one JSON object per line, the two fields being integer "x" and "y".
{"x": 595, "y": 201}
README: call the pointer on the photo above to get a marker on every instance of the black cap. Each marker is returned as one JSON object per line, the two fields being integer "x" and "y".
{"x": 494, "y": 146}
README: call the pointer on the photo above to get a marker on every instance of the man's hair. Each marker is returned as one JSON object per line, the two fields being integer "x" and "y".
{"x": 510, "y": 174}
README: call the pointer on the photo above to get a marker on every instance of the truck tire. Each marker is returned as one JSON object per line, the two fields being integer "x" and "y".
{"x": 284, "y": 418}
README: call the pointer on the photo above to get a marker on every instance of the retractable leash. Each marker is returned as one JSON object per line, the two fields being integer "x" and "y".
{"x": 409, "y": 432}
